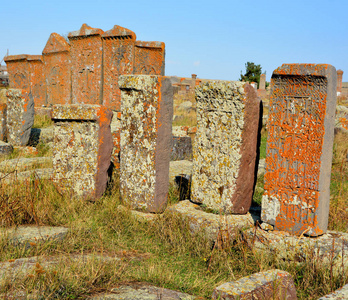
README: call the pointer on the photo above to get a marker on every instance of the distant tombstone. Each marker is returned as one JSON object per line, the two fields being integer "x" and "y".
{"x": 86, "y": 65}
{"x": 262, "y": 84}
{"x": 20, "y": 116}
{"x": 225, "y": 147}
{"x": 18, "y": 70}
{"x": 81, "y": 149}
{"x": 57, "y": 70}
{"x": 299, "y": 148}
{"x": 339, "y": 81}
{"x": 118, "y": 59}
{"x": 37, "y": 82}
{"x": 146, "y": 139}
{"x": 149, "y": 58}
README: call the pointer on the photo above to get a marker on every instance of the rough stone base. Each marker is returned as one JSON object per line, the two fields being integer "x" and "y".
{"x": 273, "y": 284}
{"x": 214, "y": 225}
{"x": 5, "y": 148}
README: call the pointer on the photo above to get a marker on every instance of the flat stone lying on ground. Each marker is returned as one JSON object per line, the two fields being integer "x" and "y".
{"x": 216, "y": 227}
{"x": 22, "y": 164}
{"x": 341, "y": 294}
{"x": 332, "y": 245}
{"x": 40, "y": 174}
{"x": 33, "y": 234}
{"x": 272, "y": 284}
{"x": 142, "y": 291}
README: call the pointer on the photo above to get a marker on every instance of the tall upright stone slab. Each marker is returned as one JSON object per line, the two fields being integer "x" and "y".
{"x": 37, "y": 82}
{"x": 3, "y": 121}
{"x": 299, "y": 148}
{"x": 86, "y": 65}
{"x": 20, "y": 116}
{"x": 82, "y": 149}
{"x": 225, "y": 147}
{"x": 339, "y": 81}
{"x": 118, "y": 59}
{"x": 149, "y": 58}
{"x": 57, "y": 67}
{"x": 146, "y": 139}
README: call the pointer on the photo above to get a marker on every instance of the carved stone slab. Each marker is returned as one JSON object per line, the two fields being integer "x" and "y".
{"x": 82, "y": 149}
{"x": 299, "y": 148}
{"x": 225, "y": 147}
{"x": 146, "y": 141}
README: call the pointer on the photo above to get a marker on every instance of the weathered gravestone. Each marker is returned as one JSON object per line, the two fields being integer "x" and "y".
{"x": 25, "y": 72}
{"x": 149, "y": 58}
{"x": 86, "y": 65}
{"x": 3, "y": 119}
{"x": 82, "y": 149}
{"x": 57, "y": 70}
{"x": 299, "y": 148}
{"x": 20, "y": 116}
{"x": 146, "y": 138}
{"x": 225, "y": 146}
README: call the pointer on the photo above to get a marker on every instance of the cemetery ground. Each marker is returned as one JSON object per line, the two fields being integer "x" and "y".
{"x": 107, "y": 246}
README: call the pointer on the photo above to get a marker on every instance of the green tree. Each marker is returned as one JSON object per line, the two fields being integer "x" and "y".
{"x": 252, "y": 73}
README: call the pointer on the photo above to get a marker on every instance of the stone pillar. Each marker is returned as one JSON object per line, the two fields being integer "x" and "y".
{"x": 262, "y": 84}
{"x": 86, "y": 65}
{"x": 3, "y": 121}
{"x": 37, "y": 81}
{"x": 225, "y": 146}
{"x": 299, "y": 148}
{"x": 20, "y": 116}
{"x": 146, "y": 141}
{"x": 82, "y": 149}
{"x": 57, "y": 64}
{"x": 149, "y": 58}
{"x": 339, "y": 81}
{"x": 193, "y": 82}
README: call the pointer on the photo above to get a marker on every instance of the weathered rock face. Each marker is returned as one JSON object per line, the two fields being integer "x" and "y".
{"x": 20, "y": 116}
{"x": 3, "y": 121}
{"x": 82, "y": 148}
{"x": 146, "y": 140}
{"x": 299, "y": 148}
{"x": 225, "y": 148}
{"x": 272, "y": 284}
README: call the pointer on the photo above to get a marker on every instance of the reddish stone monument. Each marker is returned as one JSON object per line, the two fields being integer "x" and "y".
{"x": 18, "y": 70}
{"x": 339, "y": 80}
{"x": 86, "y": 65}
{"x": 299, "y": 148}
{"x": 118, "y": 59}
{"x": 37, "y": 84}
{"x": 149, "y": 58}
{"x": 57, "y": 70}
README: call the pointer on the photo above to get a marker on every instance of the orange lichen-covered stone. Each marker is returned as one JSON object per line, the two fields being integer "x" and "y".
{"x": 86, "y": 65}
{"x": 81, "y": 149}
{"x": 149, "y": 58}
{"x": 37, "y": 81}
{"x": 57, "y": 70}
{"x": 299, "y": 148}
{"x": 118, "y": 59}
{"x": 146, "y": 139}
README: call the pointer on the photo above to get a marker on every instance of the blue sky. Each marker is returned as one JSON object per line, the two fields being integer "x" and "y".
{"x": 213, "y": 39}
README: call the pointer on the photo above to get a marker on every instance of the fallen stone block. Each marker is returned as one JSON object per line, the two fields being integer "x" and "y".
{"x": 272, "y": 284}
{"x": 340, "y": 294}
{"x": 5, "y": 148}
{"x": 146, "y": 141}
{"x": 82, "y": 149}
{"x": 23, "y": 164}
{"x": 20, "y": 116}
{"x": 214, "y": 225}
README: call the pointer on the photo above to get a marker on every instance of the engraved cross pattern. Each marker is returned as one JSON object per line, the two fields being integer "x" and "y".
{"x": 86, "y": 69}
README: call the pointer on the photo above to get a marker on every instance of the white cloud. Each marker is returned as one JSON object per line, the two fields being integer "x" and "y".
{"x": 197, "y": 63}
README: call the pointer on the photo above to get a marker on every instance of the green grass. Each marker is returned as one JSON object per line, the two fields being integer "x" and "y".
{"x": 42, "y": 121}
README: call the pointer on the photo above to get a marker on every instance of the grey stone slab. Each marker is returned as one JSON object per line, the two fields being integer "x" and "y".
{"x": 33, "y": 234}
{"x": 300, "y": 127}
{"x": 45, "y": 173}
{"x": 142, "y": 291}
{"x": 272, "y": 284}
{"x": 146, "y": 141}
{"x": 225, "y": 147}
{"x": 341, "y": 294}
{"x": 43, "y": 135}
{"x": 182, "y": 148}
{"x": 20, "y": 116}
{"x": 5, "y": 148}
{"x": 23, "y": 164}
